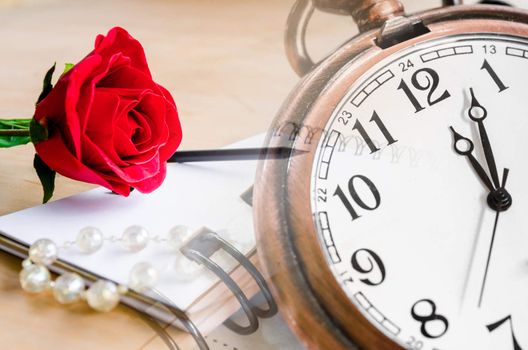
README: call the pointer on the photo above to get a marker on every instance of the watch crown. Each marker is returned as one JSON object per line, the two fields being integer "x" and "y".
{"x": 368, "y": 14}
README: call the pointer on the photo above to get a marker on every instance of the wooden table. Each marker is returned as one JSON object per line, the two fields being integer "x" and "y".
{"x": 223, "y": 62}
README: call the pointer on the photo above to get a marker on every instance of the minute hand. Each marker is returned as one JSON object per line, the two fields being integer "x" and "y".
{"x": 478, "y": 113}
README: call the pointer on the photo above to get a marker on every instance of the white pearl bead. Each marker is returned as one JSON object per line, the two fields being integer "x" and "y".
{"x": 135, "y": 238}
{"x": 26, "y": 263}
{"x": 102, "y": 296}
{"x": 68, "y": 288}
{"x": 43, "y": 251}
{"x": 34, "y": 278}
{"x": 143, "y": 276}
{"x": 122, "y": 289}
{"x": 89, "y": 240}
{"x": 178, "y": 236}
{"x": 186, "y": 269}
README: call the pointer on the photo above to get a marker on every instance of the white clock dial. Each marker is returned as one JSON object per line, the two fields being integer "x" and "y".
{"x": 403, "y": 215}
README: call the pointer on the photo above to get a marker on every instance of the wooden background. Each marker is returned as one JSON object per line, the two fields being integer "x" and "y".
{"x": 223, "y": 62}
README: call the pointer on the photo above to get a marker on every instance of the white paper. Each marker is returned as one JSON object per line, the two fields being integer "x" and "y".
{"x": 193, "y": 194}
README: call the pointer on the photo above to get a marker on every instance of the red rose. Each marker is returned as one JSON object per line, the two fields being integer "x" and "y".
{"x": 108, "y": 122}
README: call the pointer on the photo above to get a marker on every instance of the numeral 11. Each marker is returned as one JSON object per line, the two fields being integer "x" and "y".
{"x": 377, "y": 120}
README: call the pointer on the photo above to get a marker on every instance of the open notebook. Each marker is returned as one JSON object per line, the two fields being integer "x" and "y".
{"x": 195, "y": 194}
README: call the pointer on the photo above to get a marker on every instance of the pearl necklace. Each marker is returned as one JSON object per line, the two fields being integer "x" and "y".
{"x": 102, "y": 295}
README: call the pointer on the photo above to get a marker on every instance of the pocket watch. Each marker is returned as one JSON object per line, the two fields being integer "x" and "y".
{"x": 401, "y": 225}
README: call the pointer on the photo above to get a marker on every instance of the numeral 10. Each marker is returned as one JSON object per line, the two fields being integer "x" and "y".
{"x": 355, "y": 196}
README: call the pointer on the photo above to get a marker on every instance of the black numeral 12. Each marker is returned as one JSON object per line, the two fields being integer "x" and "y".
{"x": 431, "y": 84}
{"x": 376, "y": 119}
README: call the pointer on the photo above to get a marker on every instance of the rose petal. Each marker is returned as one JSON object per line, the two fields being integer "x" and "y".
{"x": 128, "y": 77}
{"x": 119, "y": 40}
{"x": 88, "y": 87}
{"x": 142, "y": 133}
{"x": 101, "y": 125}
{"x": 54, "y": 153}
{"x": 59, "y": 108}
{"x": 173, "y": 126}
{"x": 109, "y": 170}
{"x": 152, "y": 108}
{"x": 153, "y": 183}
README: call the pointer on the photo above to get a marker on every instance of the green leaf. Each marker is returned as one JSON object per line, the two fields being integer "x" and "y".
{"x": 46, "y": 176}
{"x": 67, "y": 67}
{"x": 37, "y": 132}
{"x": 46, "y": 85}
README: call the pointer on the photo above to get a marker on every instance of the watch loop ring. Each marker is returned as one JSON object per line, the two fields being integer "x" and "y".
{"x": 368, "y": 14}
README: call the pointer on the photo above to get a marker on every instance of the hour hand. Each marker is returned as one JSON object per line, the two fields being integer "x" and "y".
{"x": 464, "y": 147}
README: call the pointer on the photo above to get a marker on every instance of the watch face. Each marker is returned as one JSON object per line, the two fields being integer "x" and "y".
{"x": 420, "y": 194}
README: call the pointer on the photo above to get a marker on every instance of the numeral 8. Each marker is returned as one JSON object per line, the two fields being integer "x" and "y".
{"x": 430, "y": 317}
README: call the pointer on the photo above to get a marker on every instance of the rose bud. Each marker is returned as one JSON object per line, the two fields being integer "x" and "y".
{"x": 107, "y": 121}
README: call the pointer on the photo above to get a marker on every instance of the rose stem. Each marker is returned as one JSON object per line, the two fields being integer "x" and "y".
{"x": 15, "y": 132}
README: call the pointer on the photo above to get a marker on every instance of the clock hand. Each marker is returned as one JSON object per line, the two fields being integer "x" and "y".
{"x": 478, "y": 113}
{"x": 504, "y": 196}
{"x": 488, "y": 259}
{"x": 477, "y": 254}
{"x": 459, "y": 143}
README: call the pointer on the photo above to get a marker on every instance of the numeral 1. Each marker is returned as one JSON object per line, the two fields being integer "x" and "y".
{"x": 377, "y": 120}
{"x": 359, "y": 127}
{"x": 493, "y": 76}
{"x": 495, "y": 325}
{"x": 417, "y": 106}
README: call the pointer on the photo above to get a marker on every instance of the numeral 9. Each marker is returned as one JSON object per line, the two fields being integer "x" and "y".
{"x": 366, "y": 261}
